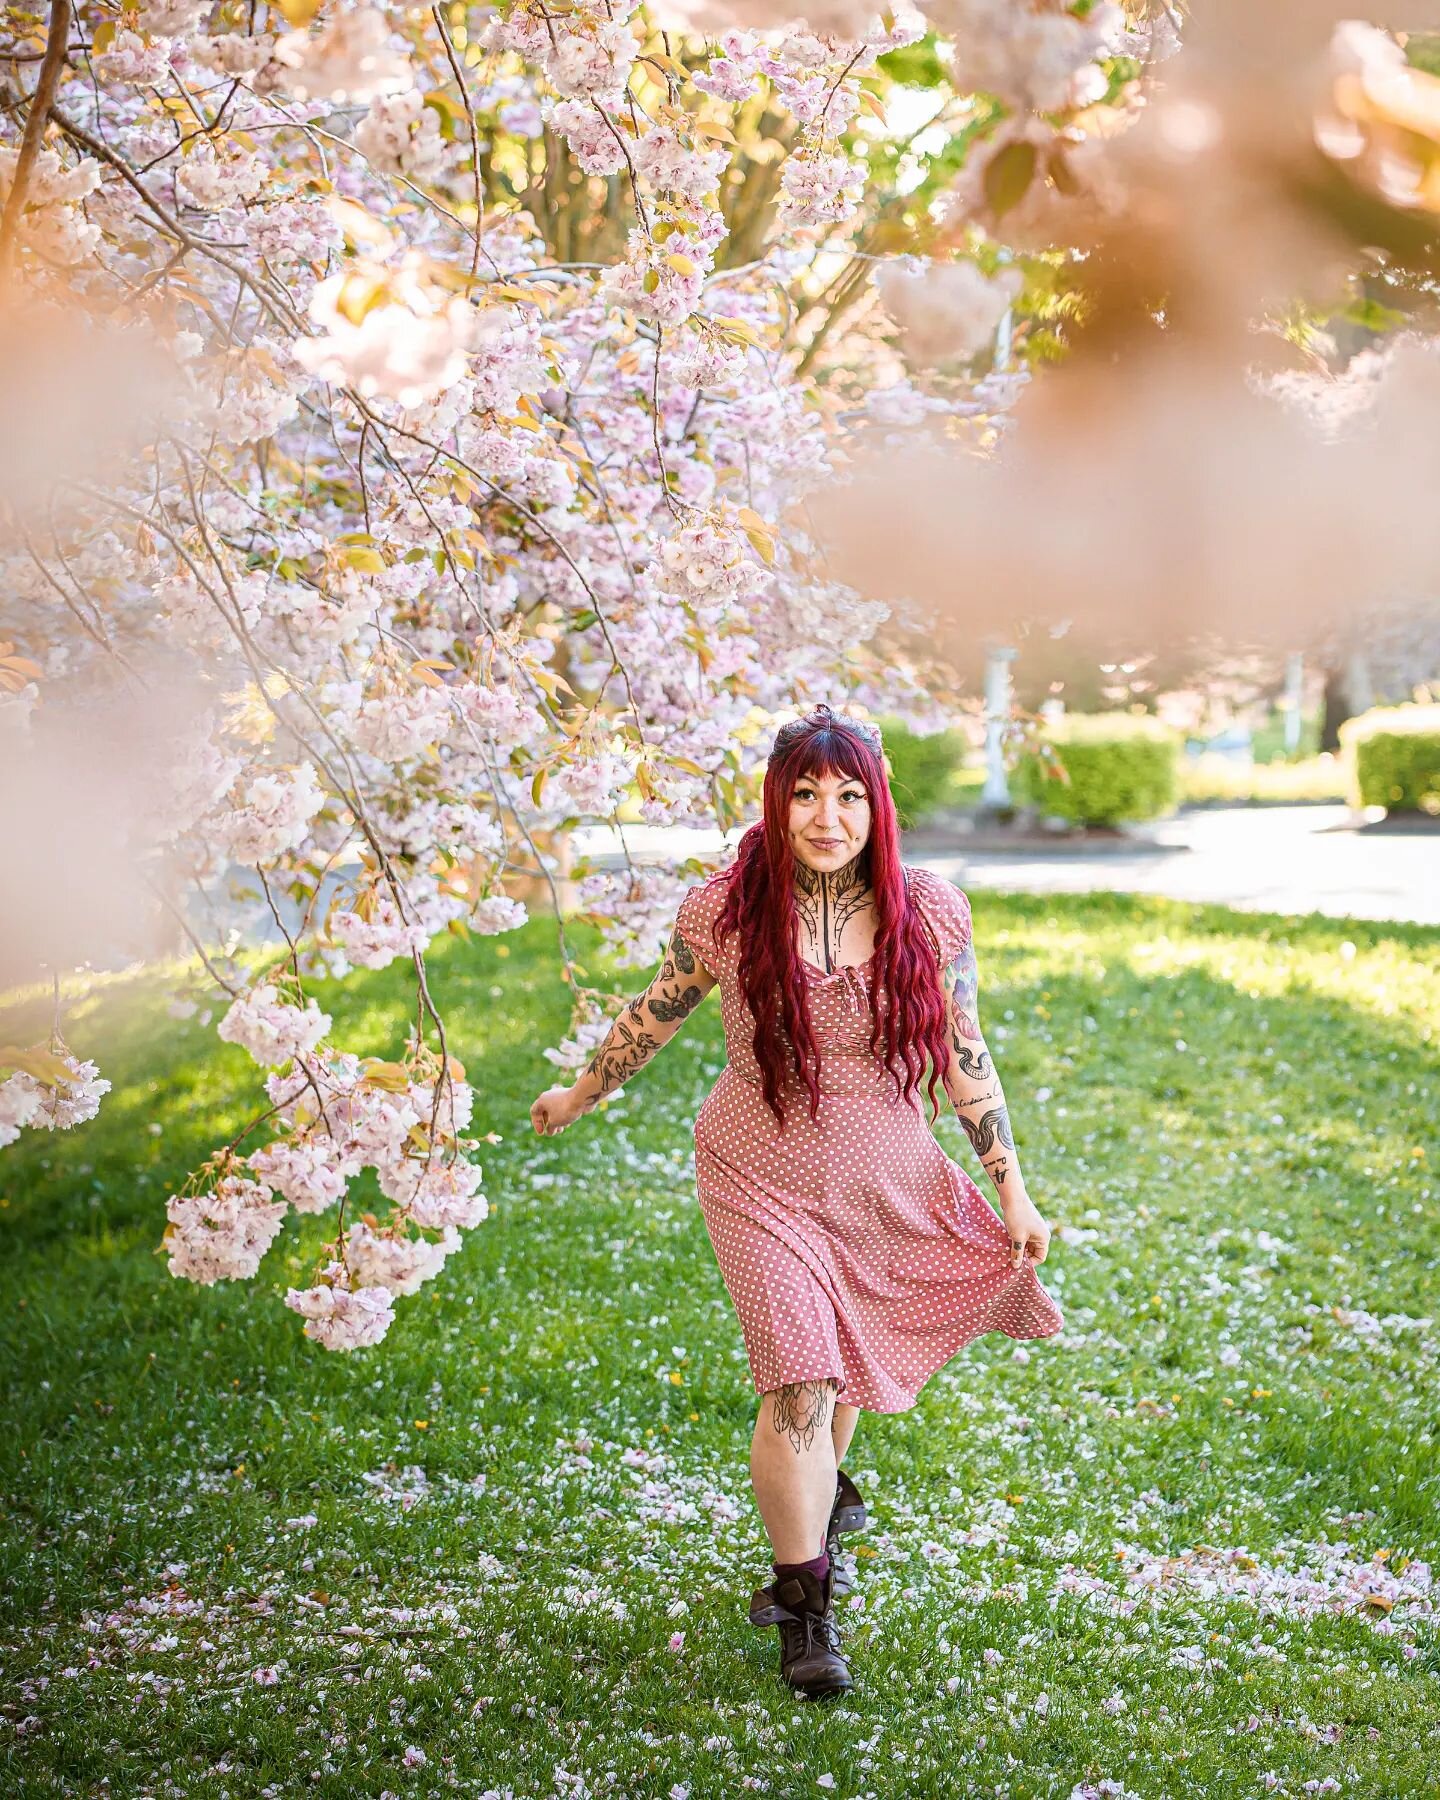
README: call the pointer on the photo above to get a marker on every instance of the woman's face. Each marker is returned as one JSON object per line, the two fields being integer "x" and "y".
{"x": 829, "y": 821}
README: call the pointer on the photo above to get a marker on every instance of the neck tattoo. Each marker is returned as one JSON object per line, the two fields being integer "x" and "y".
{"x": 826, "y": 900}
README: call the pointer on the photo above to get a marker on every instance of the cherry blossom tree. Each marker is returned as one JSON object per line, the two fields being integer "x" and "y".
{"x": 440, "y": 389}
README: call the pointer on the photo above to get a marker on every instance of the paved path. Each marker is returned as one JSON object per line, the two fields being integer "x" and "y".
{"x": 1286, "y": 859}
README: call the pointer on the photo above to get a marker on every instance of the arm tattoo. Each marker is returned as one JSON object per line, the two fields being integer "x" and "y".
{"x": 974, "y": 1063}
{"x": 974, "y": 1085}
{"x": 801, "y": 1408}
{"x": 629, "y": 1044}
{"x": 962, "y": 981}
{"x": 670, "y": 999}
{"x": 991, "y": 1127}
{"x": 627, "y": 1047}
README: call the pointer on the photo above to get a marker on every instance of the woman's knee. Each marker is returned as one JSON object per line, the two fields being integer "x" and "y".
{"x": 800, "y": 1409}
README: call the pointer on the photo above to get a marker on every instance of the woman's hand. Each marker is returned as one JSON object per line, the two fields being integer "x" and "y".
{"x": 554, "y": 1110}
{"x": 1028, "y": 1231}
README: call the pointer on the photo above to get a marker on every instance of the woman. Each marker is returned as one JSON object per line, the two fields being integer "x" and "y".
{"x": 858, "y": 1255}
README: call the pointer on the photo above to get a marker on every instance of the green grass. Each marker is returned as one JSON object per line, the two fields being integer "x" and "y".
{"x": 478, "y": 1539}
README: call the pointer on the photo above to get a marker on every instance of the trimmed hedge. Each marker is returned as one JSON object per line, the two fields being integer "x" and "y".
{"x": 922, "y": 769}
{"x": 1123, "y": 767}
{"x": 1393, "y": 754}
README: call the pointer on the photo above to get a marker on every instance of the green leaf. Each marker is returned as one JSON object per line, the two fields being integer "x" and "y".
{"x": 1373, "y": 316}
{"x": 1008, "y": 175}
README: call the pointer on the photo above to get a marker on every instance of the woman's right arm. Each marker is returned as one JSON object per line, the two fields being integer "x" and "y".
{"x": 645, "y": 1026}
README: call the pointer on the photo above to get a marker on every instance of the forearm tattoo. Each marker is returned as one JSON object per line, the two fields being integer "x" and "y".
{"x": 629, "y": 1044}
{"x": 826, "y": 902}
{"x": 801, "y": 1408}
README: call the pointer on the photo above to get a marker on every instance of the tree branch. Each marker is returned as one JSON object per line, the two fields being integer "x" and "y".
{"x": 55, "y": 49}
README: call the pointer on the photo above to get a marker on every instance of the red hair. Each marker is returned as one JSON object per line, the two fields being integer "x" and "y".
{"x": 760, "y": 902}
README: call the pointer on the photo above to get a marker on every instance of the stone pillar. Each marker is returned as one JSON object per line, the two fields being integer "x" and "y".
{"x": 995, "y": 795}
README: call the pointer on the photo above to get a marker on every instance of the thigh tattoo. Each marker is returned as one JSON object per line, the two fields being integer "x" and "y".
{"x": 801, "y": 1408}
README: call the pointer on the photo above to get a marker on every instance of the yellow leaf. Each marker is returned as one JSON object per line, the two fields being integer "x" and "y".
{"x": 722, "y": 134}
{"x": 36, "y": 1061}
{"x": 682, "y": 265}
{"x": 426, "y": 675}
{"x": 872, "y": 104}
{"x": 358, "y": 225}
{"x": 390, "y": 1077}
{"x": 763, "y": 545}
{"x": 360, "y": 556}
{"x": 537, "y": 786}
{"x": 298, "y": 12}
{"x": 739, "y": 331}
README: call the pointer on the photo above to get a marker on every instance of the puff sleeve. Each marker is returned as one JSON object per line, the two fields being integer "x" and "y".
{"x": 946, "y": 910}
{"x": 697, "y": 913}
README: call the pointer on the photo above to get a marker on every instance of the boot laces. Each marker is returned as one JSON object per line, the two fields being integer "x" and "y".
{"x": 805, "y": 1630}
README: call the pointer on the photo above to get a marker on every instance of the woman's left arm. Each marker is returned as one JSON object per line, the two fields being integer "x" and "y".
{"x": 979, "y": 1101}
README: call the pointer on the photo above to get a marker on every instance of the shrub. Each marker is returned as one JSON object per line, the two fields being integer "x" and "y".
{"x": 1210, "y": 777}
{"x": 922, "y": 769}
{"x": 1123, "y": 767}
{"x": 1394, "y": 758}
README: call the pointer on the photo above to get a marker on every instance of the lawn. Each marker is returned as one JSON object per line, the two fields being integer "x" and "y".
{"x": 1185, "y": 1548}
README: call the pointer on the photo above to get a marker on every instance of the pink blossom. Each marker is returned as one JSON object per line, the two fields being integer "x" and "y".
{"x": 309, "y": 1172}
{"x": 436, "y": 1195}
{"x": 212, "y": 180}
{"x": 69, "y": 1103}
{"x": 820, "y": 189}
{"x": 272, "y": 1030}
{"x": 339, "y": 1319}
{"x": 223, "y": 1234}
{"x": 498, "y": 913}
{"x": 276, "y": 807}
{"x": 400, "y": 135}
{"x": 394, "y": 1260}
{"x": 20, "y": 1096}
{"x": 352, "y": 57}
{"x": 946, "y": 310}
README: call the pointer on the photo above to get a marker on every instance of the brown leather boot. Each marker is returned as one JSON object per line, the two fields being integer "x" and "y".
{"x": 847, "y": 1514}
{"x": 810, "y": 1658}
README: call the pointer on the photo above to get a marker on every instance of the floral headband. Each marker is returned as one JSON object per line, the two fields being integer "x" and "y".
{"x": 823, "y": 717}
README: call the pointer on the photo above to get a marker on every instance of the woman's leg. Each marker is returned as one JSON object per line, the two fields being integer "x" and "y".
{"x": 842, "y": 1428}
{"x": 792, "y": 1467}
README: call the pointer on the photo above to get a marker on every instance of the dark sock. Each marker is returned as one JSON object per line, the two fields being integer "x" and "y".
{"x": 818, "y": 1566}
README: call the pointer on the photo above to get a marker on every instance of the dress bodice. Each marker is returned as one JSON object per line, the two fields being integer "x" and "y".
{"x": 843, "y": 1001}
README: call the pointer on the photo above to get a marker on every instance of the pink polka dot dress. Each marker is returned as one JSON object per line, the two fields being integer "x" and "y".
{"x": 851, "y": 1245}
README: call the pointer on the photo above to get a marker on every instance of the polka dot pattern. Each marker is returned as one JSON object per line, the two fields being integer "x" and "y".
{"x": 851, "y": 1245}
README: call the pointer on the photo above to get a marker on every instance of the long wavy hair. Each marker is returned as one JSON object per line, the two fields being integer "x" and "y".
{"x": 909, "y": 1026}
